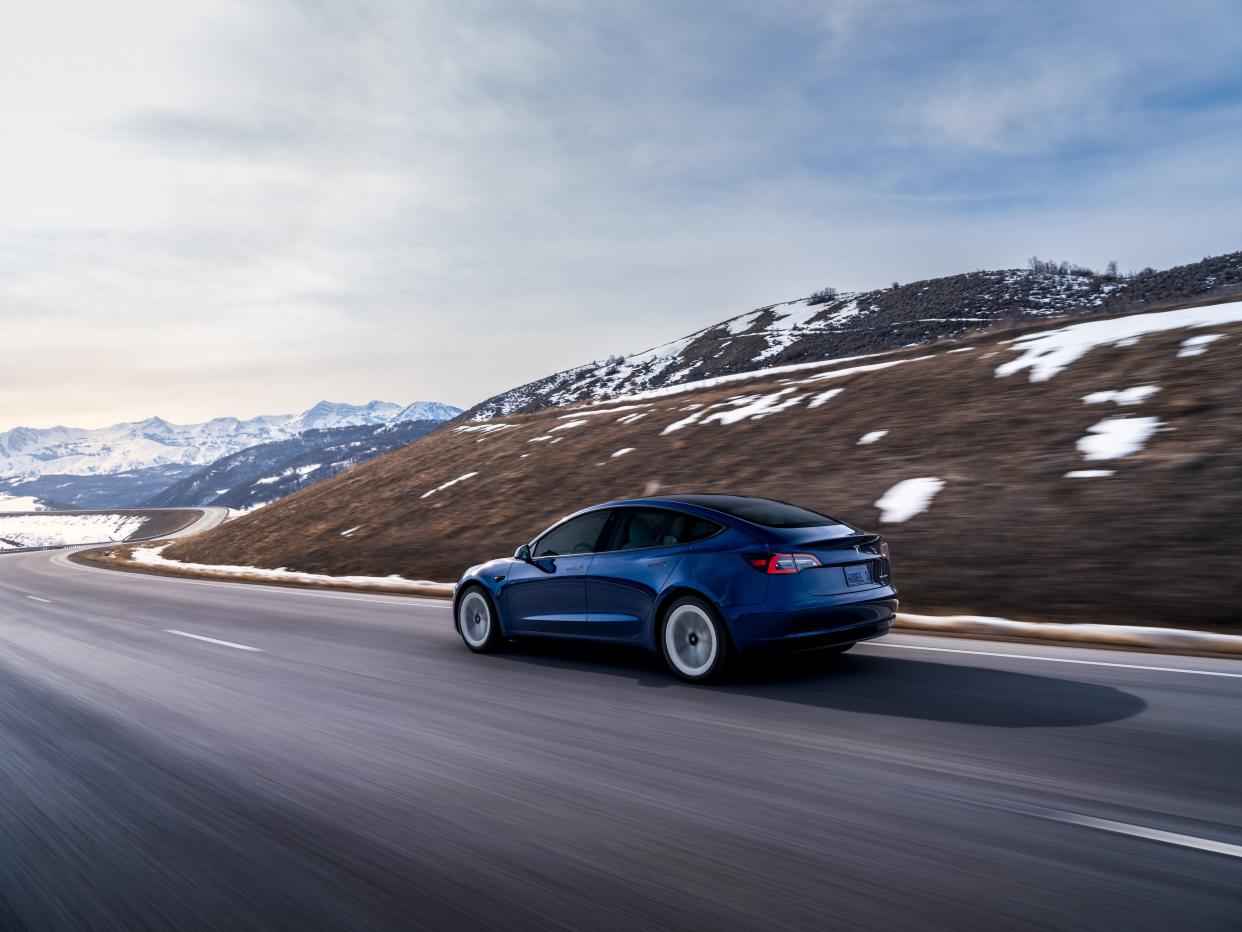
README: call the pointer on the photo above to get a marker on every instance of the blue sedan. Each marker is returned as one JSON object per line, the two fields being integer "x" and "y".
{"x": 698, "y": 579}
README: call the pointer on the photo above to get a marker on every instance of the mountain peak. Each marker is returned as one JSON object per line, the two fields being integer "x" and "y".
{"x": 155, "y": 442}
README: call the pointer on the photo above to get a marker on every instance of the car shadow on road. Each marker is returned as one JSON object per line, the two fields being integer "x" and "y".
{"x": 870, "y": 684}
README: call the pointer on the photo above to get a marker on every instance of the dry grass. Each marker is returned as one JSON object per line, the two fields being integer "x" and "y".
{"x": 1157, "y": 544}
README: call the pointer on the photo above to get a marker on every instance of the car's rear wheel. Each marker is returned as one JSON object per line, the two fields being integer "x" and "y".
{"x": 694, "y": 641}
{"x": 476, "y": 621}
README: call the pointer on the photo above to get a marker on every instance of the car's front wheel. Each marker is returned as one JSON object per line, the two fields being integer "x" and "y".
{"x": 693, "y": 640}
{"x": 476, "y": 621}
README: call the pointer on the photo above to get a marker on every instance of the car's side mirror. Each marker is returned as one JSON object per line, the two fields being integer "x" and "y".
{"x": 523, "y": 553}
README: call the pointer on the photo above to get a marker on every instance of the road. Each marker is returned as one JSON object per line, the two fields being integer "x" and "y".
{"x": 183, "y": 754}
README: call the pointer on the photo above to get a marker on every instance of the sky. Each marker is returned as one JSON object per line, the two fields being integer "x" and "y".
{"x": 241, "y": 208}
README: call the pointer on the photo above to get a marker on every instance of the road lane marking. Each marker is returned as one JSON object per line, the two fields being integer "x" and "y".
{"x": 1090, "y": 663}
{"x": 37, "y": 599}
{"x": 199, "y": 637}
{"x": 1139, "y": 831}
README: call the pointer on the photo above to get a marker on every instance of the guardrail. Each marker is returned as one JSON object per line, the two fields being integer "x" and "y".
{"x": 100, "y": 543}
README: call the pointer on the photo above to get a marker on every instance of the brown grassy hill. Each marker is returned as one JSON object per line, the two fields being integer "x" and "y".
{"x": 1158, "y": 542}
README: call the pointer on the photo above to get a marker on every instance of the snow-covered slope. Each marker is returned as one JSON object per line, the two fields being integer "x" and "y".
{"x": 55, "y": 529}
{"x": 426, "y": 411}
{"x": 26, "y": 451}
{"x": 20, "y": 503}
{"x": 264, "y": 473}
{"x": 831, "y": 325}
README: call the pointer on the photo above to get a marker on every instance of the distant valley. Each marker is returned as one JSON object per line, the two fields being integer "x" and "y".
{"x": 156, "y": 462}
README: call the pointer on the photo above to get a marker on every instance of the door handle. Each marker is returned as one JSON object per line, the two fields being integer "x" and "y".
{"x": 575, "y": 566}
{"x": 655, "y": 565}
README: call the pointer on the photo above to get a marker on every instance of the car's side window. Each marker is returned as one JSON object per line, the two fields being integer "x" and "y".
{"x": 577, "y": 535}
{"x": 637, "y": 528}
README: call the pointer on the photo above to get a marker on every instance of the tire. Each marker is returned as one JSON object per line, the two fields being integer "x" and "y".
{"x": 476, "y": 621}
{"x": 694, "y": 641}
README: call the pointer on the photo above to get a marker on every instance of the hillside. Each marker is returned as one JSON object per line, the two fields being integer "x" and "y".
{"x": 1081, "y": 470}
{"x": 128, "y": 489}
{"x": 263, "y": 473}
{"x": 830, "y": 325}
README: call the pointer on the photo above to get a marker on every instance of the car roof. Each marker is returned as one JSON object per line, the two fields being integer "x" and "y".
{"x": 693, "y": 500}
{"x": 683, "y": 498}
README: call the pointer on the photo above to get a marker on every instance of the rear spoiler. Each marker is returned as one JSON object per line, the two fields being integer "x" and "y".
{"x": 844, "y": 543}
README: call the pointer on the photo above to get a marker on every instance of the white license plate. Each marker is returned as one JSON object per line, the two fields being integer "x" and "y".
{"x": 859, "y": 575}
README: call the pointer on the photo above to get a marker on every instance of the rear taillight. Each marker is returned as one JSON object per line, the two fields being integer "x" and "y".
{"x": 782, "y": 564}
{"x": 886, "y": 565}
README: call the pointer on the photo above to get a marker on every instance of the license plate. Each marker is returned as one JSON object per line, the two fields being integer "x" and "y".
{"x": 859, "y": 575}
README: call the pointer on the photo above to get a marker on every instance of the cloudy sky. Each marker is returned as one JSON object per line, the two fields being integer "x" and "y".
{"x": 240, "y": 208}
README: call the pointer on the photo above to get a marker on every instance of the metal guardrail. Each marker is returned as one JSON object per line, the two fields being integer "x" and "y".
{"x": 101, "y": 543}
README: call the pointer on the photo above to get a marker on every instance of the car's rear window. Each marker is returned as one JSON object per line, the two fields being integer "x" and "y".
{"x": 762, "y": 511}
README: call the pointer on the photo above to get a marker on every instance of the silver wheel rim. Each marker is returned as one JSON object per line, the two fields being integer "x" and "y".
{"x": 474, "y": 619}
{"x": 690, "y": 640}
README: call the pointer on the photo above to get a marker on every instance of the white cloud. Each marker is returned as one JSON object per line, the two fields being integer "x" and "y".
{"x": 243, "y": 207}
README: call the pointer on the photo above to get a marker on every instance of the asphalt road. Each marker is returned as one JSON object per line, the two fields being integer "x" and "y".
{"x": 339, "y": 761}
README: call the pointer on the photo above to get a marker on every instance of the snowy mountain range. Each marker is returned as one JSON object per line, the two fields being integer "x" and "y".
{"x": 140, "y": 445}
{"x": 830, "y": 325}
{"x": 261, "y": 474}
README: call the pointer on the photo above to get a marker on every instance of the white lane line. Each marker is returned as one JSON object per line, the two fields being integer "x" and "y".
{"x": 1090, "y": 663}
{"x": 1139, "y": 831}
{"x": 37, "y": 599}
{"x": 199, "y": 637}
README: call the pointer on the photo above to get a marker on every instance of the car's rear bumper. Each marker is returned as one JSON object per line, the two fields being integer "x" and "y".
{"x": 813, "y": 625}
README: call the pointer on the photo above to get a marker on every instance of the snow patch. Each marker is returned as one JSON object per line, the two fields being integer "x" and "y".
{"x": 1197, "y": 346}
{"x": 854, "y": 370}
{"x": 739, "y": 325}
{"x": 754, "y": 407}
{"x": 488, "y": 428}
{"x": 444, "y": 485}
{"x": 1050, "y": 351}
{"x": 871, "y": 437}
{"x": 153, "y": 556}
{"x": 715, "y": 381}
{"x": 1115, "y": 437}
{"x": 241, "y": 512}
{"x": 356, "y": 527}
{"x": 616, "y": 410}
{"x": 1127, "y": 396}
{"x": 907, "y": 499}
{"x": 1088, "y": 473}
{"x": 622, "y": 452}
{"x": 568, "y": 425}
{"x": 20, "y": 503}
{"x": 817, "y": 400}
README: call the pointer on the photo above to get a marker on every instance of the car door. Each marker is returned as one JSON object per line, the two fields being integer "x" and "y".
{"x": 643, "y": 547}
{"x": 548, "y": 594}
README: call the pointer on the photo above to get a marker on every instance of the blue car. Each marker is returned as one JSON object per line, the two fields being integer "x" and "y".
{"x": 698, "y": 579}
